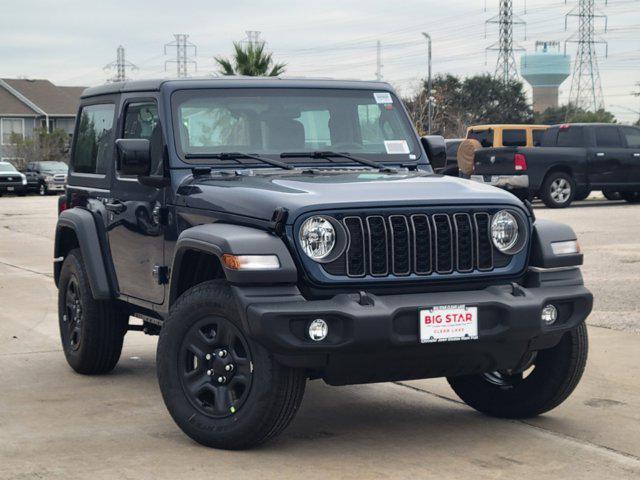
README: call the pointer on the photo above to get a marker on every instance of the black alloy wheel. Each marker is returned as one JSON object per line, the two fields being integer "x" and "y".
{"x": 72, "y": 318}
{"x": 216, "y": 367}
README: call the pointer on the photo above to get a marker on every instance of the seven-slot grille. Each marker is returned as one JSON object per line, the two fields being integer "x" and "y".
{"x": 418, "y": 244}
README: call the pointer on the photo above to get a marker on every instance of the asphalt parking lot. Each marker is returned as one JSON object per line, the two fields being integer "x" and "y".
{"x": 60, "y": 425}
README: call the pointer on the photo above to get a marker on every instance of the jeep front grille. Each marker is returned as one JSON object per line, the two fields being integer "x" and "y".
{"x": 418, "y": 244}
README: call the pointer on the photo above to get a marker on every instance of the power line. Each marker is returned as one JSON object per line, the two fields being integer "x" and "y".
{"x": 506, "y": 69}
{"x": 182, "y": 61}
{"x": 120, "y": 65}
{"x": 586, "y": 89}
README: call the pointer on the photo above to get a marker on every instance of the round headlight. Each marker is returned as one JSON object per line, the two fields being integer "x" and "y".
{"x": 504, "y": 231}
{"x": 317, "y": 237}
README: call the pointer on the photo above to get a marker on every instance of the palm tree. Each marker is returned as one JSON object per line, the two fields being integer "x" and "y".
{"x": 250, "y": 61}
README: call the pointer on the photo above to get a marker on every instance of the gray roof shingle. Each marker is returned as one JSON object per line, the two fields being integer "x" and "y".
{"x": 45, "y": 95}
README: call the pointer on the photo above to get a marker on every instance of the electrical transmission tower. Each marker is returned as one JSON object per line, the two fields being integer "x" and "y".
{"x": 120, "y": 65}
{"x": 586, "y": 90}
{"x": 378, "y": 61}
{"x": 253, "y": 38}
{"x": 182, "y": 61}
{"x": 506, "y": 69}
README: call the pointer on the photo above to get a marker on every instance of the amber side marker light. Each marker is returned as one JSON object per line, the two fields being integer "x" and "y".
{"x": 251, "y": 262}
{"x": 565, "y": 248}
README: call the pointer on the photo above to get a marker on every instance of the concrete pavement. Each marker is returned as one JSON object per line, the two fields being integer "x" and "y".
{"x": 57, "y": 424}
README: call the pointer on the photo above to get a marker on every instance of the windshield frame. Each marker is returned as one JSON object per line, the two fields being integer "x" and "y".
{"x": 415, "y": 148}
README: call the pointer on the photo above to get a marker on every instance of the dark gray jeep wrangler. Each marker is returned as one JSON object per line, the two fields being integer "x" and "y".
{"x": 273, "y": 231}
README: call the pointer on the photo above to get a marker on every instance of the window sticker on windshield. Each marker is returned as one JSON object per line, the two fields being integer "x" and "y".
{"x": 382, "y": 97}
{"x": 394, "y": 147}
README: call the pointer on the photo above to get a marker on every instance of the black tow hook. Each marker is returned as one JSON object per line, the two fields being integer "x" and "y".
{"x": 365, "y": 300}
{"x": 516, "y": 290}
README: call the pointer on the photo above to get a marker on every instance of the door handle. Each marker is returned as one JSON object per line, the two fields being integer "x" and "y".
{"x": 600, "y": 154}
{"x": 116, "y": 206}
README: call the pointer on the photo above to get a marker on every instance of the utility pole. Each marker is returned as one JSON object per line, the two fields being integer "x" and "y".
{"x": 182, "y": 61}
{"x": 120, "y": 65}
{"x": 506, "y": 69}
{"x": 378, "y": 61}
{"x": 586, "y": 90}
{"x": 429, "y": 83}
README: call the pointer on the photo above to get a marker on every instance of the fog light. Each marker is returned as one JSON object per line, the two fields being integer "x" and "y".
{"x": 549, "y": 314}
{"x": 318, "y": 330}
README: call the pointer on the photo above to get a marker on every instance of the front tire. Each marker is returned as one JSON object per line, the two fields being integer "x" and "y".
{"x": 631, "y": 197}
{"x": 558, "y": 190}
{"x": 554, "y": 375}
{"x": 221, "y": 388}
{"x": 610, "y": 195}
{"x": 43, "y": 190}
{"x": 91, "y": 331}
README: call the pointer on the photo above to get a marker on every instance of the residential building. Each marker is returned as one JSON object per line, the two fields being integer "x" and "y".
{"x": 26, "y": 105}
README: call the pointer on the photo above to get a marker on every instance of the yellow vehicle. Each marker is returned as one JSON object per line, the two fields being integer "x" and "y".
{"x": 505, "y": 135}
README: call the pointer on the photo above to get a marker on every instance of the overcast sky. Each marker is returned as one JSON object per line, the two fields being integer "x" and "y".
{"x": 70, "y": 41}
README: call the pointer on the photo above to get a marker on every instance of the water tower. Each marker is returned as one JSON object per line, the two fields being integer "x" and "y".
{"x": 545, "y": 70}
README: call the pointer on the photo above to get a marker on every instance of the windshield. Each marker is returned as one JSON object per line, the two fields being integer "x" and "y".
{"x": 272, "y": 121}
{"x": 54, "y": 167}
{"x": 7, "y": 167}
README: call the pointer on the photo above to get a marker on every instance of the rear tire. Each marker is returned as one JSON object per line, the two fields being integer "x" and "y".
{"x": 556, "y": 373}
{"x": 91, "y": 331}
{"x": 558, "y": 190}
{"x": 232, "y": 408}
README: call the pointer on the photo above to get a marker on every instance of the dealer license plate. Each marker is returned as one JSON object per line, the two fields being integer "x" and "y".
{"x": 448, "y": 323}
{"x": 9, "y": 189}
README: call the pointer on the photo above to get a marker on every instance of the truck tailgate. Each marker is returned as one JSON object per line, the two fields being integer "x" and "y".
{"x": 495, "y": 161}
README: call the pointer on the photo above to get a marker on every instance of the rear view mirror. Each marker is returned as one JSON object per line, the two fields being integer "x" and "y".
{"x": 436, "y": 150}
{"x": 134, "y": 155}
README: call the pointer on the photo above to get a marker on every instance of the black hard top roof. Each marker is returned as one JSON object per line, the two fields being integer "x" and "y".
{"x": 231, "y": 82}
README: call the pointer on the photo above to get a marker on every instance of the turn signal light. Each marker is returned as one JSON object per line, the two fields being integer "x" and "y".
{"x": 251, "y": 262}
{"x": 519, "y": 162}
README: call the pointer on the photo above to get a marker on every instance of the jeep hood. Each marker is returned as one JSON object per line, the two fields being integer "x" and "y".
{"x": 257, "y": 196}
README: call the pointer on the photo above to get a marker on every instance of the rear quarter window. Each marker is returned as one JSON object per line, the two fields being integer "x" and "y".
{"x": 570, "y": 137}
{"x": 537, "y": 137}
{"x": 485, "y": 137}
{"x": 94, "y": 142}
{"x": 514, "y": 138}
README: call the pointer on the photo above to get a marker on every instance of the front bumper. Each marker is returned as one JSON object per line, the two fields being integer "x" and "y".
{"x": 378, "y": 339}
{"x": 509, "y": 182}
{"x": 12, "y": 187}
{"x": 56, "y": 187}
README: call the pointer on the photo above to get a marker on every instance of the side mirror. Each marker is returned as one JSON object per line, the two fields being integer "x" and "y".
{"x": 134, "y": 155}
{"x": 436, "y": 150}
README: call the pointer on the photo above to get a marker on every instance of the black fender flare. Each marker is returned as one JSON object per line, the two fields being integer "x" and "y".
{"x": 546, "y": 232}
{"x": 83, "y": 224}
{"x": 221, "y": 238}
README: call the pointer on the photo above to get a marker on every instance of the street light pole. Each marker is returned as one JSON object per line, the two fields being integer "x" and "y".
{"x": 429, "y": 85}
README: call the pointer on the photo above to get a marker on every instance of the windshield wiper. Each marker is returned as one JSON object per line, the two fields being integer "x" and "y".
{"x": 238, "y": 156}
{"x": 329, "y": 154}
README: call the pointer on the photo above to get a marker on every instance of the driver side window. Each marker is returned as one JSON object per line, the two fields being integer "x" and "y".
{"x": 141, "y": 120}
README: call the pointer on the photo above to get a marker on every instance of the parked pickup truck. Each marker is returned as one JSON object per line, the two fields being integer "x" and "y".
{"x": 572, "y": 160}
